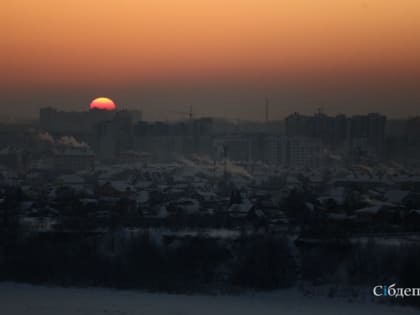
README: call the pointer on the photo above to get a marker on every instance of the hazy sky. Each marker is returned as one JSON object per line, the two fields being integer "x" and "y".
{"x": 221, "y": 56}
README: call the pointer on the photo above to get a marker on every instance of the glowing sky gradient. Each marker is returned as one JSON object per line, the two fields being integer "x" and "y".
{"x": 130, "y": 48}
{"x": 102, "y": 103}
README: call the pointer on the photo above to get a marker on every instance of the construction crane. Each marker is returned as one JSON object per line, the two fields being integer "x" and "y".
{"x": 189, "y": 114}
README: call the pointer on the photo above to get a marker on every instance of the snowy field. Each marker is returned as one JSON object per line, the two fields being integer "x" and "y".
{"x": 16, "y": 299}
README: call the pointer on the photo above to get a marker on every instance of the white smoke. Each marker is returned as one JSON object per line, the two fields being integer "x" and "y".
{"x": 45, "y": 136}
{"x": 237, "y": 170}
{"x": 69, "y": 141}
{"x": 207, "y": 164}
{"x": 65, "y": 141}
{"x": 187, "y": 162}
{"x": 365, "y": 169}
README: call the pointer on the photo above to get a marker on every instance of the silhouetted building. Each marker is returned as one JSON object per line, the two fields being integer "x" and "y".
{"x": 167, "y": 140}
{"x": 412, "y": 130}
{"x": 72, "y": 123}
{"x": 73, "y": 159}
{"x": 270, "y": 149}
{"x": 367, "y": 135}
{"x": 107, "y": 132}
{"x": 360, "y": 135}
{"x": 303, "y": 152}
{"x": 13, "y": 158}
{"x": 114, "y": 136}
{"x": 332, "y": 131}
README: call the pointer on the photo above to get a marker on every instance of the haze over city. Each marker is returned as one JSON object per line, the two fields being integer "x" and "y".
{"x": 221, "y": 57}
{"x": 248, "y": 157}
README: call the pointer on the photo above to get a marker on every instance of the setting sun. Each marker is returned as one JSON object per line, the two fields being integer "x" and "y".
{"x": 102, "y": 103}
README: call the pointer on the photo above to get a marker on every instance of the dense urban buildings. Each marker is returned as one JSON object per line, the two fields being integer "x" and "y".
{"x": 305, "y": 141}
{"x": 299, "y": 141}
{"x": 157, "y": 196}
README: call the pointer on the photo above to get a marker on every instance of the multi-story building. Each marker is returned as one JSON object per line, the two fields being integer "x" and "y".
{"x": 108, "y": 132}
{"x": 168, "y": 140}
{"x": 367, "y": 135}
{"x": 73, "y": 159}
{"x": 358, "y": 134}
{"x": 72, "y": 123}
{"x": 331, "y": 131}
{"x": 112, "y": 137}
{"x": 267, "y": 148}
{"x": 303, "y": 152}
{"x": 77, "y": 123}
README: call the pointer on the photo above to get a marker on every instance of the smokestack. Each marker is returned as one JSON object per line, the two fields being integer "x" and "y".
{"x": 267, "y": 118}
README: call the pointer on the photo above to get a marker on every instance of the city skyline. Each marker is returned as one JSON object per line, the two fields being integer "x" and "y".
{"x": 223, "y": 59}
{"x": 209, "y": 157}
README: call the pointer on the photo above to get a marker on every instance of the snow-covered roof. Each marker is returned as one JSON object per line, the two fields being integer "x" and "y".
{"x": 310, "y": 206}
{"x": 414, "y": 211}
{"x": 143, "y": 196}
{"x": 369, "y": 210}
{"x": 243, "y": 207}
{"x": 207, "y": 195}
{"x": 375, "y": 202}
{"x": 189, "y": 205}
{"x": 71, "y": 151}
{"x": 121, "y": 186}
{"x": 339, "y": 217}
{"x": 337, "y": 194}
{"x": 71, "y": 179}
{"x": 88, "y": 201}
{"x": 396, "y": 195}
{"x": 143, "y": 184}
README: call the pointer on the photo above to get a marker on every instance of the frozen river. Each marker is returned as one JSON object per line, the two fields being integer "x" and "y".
{"x": 17, "y": 299}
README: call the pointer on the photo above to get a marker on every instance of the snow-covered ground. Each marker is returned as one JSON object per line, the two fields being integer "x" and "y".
{"x": 17, "y": 299}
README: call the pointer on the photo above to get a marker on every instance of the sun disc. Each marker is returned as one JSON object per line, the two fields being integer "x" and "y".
{"x": 102, "y": 103}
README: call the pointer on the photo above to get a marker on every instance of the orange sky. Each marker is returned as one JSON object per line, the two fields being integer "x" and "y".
{"x": 122, "y": 42}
